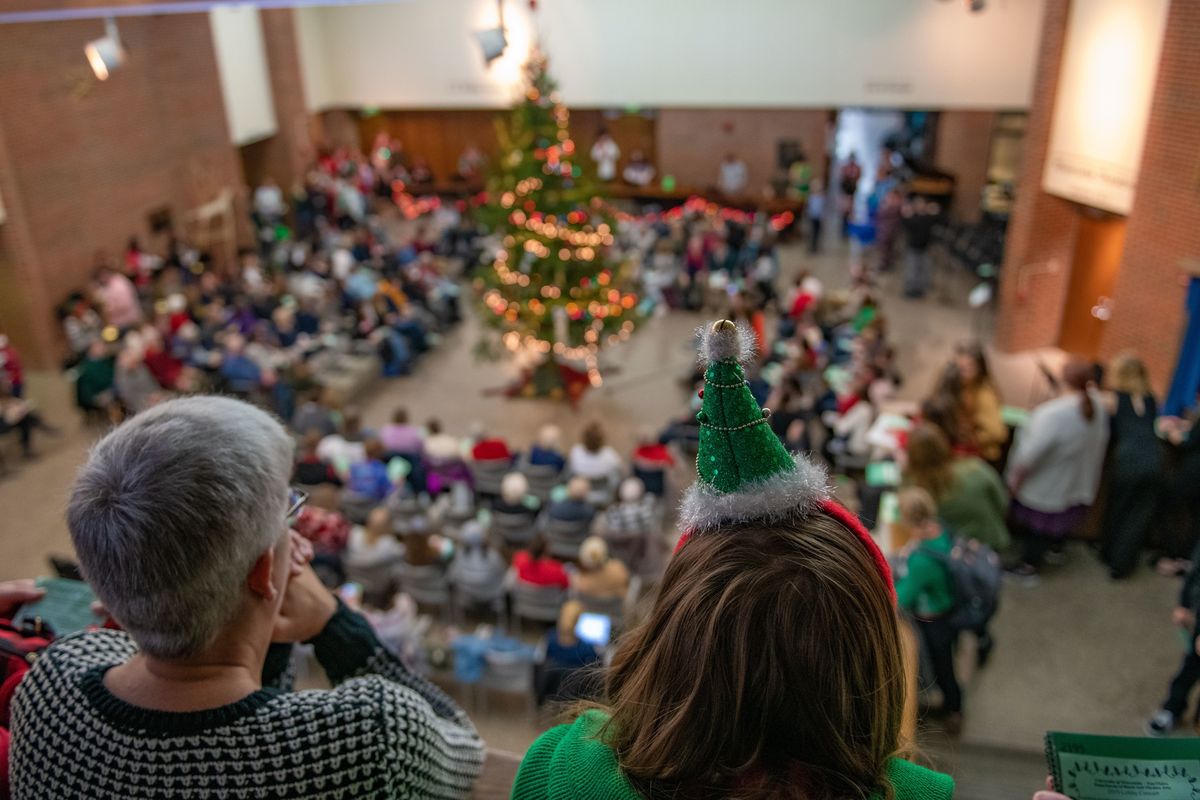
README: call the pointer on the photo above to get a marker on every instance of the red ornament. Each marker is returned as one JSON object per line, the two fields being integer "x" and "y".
{"x": 533, "y": 5}
{"x": 701, "y": 393}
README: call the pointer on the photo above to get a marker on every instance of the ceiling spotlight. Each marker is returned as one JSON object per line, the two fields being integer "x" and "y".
{"x": 106, "y": 53}
{"x": 493, "y": 41}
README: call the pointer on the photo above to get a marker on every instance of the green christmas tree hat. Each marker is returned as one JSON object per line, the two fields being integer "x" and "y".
{"x": 745, "y": 472}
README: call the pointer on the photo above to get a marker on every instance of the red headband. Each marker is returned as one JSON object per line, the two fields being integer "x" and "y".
{"x": 841, "y": 514}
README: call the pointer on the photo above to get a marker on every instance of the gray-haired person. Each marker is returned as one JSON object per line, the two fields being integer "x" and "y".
{"x": 180, "y": 521}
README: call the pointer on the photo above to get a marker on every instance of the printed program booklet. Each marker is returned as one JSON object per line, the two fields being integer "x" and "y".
{"x": 1086, "y": 767}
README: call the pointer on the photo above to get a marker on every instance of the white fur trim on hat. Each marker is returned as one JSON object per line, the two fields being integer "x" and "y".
{"x": 703, "y": 507}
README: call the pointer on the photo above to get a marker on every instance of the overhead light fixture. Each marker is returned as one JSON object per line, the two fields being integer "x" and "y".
{"x": 493, "y": 41}
{"x": 106, "y": 53}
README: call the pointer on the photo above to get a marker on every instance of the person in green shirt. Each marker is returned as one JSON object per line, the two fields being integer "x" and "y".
{"x": 971, "y": 497}
{"x": 926, "y": 591}
{"x": 770, "y": 661}
{"x": 771, "y": 665}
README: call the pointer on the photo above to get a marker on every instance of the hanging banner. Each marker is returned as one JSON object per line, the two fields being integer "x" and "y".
{"x": 1105, "y": 88}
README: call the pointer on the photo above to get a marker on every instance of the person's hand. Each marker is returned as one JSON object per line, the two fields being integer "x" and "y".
{"x": 1183, "y": 617}
{"x": 307, "y": 608}
{"x": 302, "y": 551}
{"x": 14, "y": 594}
{"x": 1049, "y": 793}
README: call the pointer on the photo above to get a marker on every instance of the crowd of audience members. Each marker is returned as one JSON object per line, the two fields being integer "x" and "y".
{"x": 474, "y": 522}
{"x": 271, "y": 326}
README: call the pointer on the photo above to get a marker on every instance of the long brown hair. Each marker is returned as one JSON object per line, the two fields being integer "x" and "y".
{"x": 1078, "y": 375}
{"x": 769, "y": 667}
{"x": 929, "y": 460}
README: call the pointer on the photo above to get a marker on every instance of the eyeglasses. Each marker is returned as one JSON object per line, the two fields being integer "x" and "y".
{"x": 296, "y": 500}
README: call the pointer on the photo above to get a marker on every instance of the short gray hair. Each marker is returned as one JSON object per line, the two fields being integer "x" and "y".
{"x": 170, "y": 512}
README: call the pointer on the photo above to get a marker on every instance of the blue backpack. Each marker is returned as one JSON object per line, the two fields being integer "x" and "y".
{"x": 976, "y": 573}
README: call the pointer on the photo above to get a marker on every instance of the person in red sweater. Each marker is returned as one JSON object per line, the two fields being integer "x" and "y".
{"x": 489, "y": 448}
{"x": 536, "y": 568}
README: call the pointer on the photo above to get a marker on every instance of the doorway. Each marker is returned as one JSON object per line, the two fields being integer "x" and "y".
{"x": 1099, "y": 241}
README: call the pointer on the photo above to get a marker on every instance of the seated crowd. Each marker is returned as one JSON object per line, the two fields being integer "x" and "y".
{"x": 323, "y": 305}
{"x": 405, "y": 496}
{"x": 211, "y": 568}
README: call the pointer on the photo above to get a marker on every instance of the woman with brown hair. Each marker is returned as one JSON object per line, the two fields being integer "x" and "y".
{"x": 771, "y": 663}
{"x": 970, "y": 495}
{"x": 1054, "y": 468}
{"x": 1136, "y": 466}
{"x": 980, "y": 427}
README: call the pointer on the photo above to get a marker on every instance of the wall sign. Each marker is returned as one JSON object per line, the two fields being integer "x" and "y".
{"x": 1105, "y": 88}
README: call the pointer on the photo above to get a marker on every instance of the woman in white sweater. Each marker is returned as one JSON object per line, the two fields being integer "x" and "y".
{"x": 1054, "y": 469}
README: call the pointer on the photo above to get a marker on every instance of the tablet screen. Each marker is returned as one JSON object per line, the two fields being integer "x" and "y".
{"x": 595, "y": 629}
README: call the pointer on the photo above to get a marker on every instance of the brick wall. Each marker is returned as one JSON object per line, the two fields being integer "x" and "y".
{"x": 288, "y": 152}
{"x": 1041, "y": 232}
{"x": 1164, "y": 226}
{"x": 964, "y": 142}
{"x": 692, "y": 142}
{"x": 1161, "y": 230}
{"x": 84, "y": 162}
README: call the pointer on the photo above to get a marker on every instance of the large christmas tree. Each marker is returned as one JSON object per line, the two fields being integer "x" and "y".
{"x": 552, "y": 294}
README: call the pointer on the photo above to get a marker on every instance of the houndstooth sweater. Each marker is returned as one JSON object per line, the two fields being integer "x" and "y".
{"x": 383, "y": 732}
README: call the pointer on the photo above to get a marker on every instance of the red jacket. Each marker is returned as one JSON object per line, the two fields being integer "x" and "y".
{"x": 540, "y": 572}
{"x": 491, "y": 450}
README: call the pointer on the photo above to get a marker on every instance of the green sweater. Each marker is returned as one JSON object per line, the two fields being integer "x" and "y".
{"x": 570, "y": 763}
{"x": 926, "y": 588}
{"x": 976, "y": 504}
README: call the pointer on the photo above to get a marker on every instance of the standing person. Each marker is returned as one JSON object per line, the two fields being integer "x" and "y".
{"x": 1182, "y": 489}
{"x": 887, "y": 224}
{"x": 181, "y": 521}
{"x": 926, "y": 590}
{"x": 971, "y": 497}
{"x": 1054, "y": 469}
{"x": 918, "y": 218}
{"x": 605, "y": 152}
{"x": 770, "y": 665}
{"x": 799, "y": 177}
{"x": 814, "y": 209}
{"x": 980, "y": 423}
{"x": 1184, "y": 616}
{"x": 1136, "y": 466}
{"x": 848, "y": 178}
{"x": 732, "y": 176}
